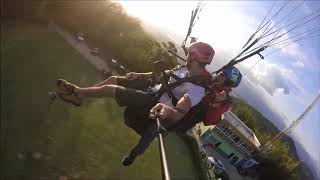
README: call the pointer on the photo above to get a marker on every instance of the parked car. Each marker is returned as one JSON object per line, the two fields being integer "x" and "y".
{"x": 113, "y": 63}
{"x": 94, "y": 51}
{"x": 121, "y": 70}
{"x": 242, "y": 171}
{"x": 80, "y": 36}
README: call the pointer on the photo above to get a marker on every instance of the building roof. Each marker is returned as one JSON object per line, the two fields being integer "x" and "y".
{"x": 241, "y": 127}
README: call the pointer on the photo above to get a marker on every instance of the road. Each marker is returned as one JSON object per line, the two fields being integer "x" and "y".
{"x": 82, "y": 48}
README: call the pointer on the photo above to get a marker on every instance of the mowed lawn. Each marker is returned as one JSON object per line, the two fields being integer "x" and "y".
{"x": 43, "y": 141}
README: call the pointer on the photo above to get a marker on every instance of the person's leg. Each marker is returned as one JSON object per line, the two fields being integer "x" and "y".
{"x": 109, "y": 80}
{"x": 146, "y": 138}
{"x": 133, "y": 118}
{"x": 149, "y": 134}
{"x": 97, "y": 92}
{"x": 73, "y": 94}
{"x": 123, "y": 92}
{"x": 78, "y": 94}
{"x": 105, "y": 88}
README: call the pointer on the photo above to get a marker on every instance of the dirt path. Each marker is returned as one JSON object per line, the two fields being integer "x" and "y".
{"x": 82, "y": 48}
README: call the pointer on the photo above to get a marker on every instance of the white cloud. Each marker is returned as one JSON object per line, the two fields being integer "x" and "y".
{"x": 298, "y": 64}
{"x": 293, "y": 50}
{"x": 296, "y": 54}
{"x": 262, "y": 101}
{"x": 272, "y": 77}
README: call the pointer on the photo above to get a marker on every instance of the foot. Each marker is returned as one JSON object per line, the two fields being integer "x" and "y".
{"x": 128, "y": 160}
{"x": 65, "y": 86}
{"x": 70, "y": 98}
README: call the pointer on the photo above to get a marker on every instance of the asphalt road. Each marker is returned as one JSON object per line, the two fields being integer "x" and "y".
{"x": 83, "y": 49}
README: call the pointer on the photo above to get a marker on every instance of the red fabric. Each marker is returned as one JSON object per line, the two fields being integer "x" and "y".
{"x": 213, "y": 114}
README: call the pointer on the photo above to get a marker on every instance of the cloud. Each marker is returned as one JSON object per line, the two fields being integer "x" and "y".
{"x": 293, "y": 50}
{"x": 298, "y": 64}
{"x": 273, "y": 78}
{"x": 261, "y": 100}
{"x": 296, "y": 54}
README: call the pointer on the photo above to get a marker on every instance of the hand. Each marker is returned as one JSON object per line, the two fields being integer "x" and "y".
{"x": 161, "y": 111}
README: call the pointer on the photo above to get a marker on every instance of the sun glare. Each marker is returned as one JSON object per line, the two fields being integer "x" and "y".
{"x": 218, "y": 23}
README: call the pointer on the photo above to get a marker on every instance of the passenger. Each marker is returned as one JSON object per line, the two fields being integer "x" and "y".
{"x": 129, "y": 91}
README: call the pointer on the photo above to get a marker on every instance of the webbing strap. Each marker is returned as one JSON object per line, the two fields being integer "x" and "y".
{"x": 197, "y": 80}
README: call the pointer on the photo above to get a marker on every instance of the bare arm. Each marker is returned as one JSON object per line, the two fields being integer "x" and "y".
{"x": 182, "y": 108}
{"x": 173, "y": 114}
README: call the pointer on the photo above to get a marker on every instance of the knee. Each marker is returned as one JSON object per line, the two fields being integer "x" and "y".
{"x": 112, "y": 80}
{"x": 127, "y": 121}
{"x": 108, "y": 90}
{"x": 127, "y": 116}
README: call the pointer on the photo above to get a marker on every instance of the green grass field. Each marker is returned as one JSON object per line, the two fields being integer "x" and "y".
{"x": 85, "y": 142}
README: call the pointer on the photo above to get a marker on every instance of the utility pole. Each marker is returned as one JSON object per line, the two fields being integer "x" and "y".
{"x": 272, "y": 143}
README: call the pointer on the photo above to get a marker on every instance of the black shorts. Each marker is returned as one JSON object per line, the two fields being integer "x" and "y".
{"x": 133, "y": 93}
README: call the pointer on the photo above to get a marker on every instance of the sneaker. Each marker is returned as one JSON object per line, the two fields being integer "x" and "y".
{"x": 128, "y": 160}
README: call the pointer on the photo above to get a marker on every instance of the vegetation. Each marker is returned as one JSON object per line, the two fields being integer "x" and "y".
{"x": 44, "y": 141}
{"x": 117, "y": 34}
{"x": 282, "y": 162}
{"x": 105, "y": 25}
{"x": 86, "y": 142}
{"x": 196, "y": 156}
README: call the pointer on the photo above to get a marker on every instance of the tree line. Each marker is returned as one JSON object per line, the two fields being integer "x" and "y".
{"x": 105, "y": 25}
{"x": 281, "y": 163}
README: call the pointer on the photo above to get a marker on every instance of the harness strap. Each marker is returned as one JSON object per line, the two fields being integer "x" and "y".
{"x": 197, "y": 80}
{"x": 165, "y": 78}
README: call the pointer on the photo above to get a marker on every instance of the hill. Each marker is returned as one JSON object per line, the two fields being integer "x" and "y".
{"x": 45, "y": 140}
{"x": 262, "y": 126}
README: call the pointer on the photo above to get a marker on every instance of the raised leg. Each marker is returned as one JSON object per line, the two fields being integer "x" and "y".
{"x": 97, "y": 92}
{"x": 109, "y": 80}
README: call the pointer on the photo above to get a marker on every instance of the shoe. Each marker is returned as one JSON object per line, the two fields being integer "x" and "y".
{"x": 65, "y": 86}
{"x": 70, "y": 98}
{"x": 128, "y": 160}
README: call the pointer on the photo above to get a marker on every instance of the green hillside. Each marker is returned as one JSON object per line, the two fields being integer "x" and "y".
{"x": 43, "y": 141}
{"x": 284, "y": 153}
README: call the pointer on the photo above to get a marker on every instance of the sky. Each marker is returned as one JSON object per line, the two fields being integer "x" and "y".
{"x": 283, "y": 84}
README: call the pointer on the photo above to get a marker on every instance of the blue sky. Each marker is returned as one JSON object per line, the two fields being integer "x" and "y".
{"x": 282, "y": 85}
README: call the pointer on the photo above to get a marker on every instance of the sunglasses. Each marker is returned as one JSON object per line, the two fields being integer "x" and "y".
{"x": 226, "y": 82}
